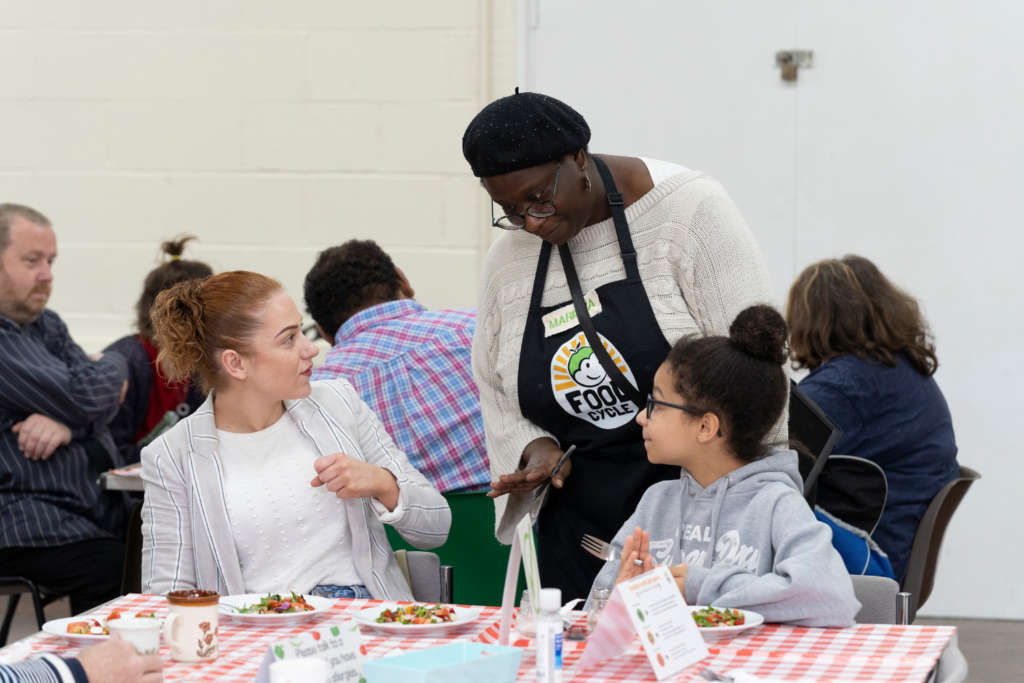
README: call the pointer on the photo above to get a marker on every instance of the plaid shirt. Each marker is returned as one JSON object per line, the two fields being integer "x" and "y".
{"x": 413, "y": 368}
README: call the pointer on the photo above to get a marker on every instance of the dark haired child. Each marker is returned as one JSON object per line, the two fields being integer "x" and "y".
{"x": 735, "y": 528}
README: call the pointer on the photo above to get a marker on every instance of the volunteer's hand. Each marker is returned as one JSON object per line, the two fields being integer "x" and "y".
{"x": 539, "y": 457}
{"x": 348, "y": 477}
{"x": 679, "y": 574}
{"x": 39, "y": 436}
{"x": 636, "y": 547}
{"x": 116, "y": 661}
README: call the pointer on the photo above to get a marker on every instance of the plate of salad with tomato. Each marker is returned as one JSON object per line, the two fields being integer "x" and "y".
{"x": 423, "y": 619}
{"x": 89, "y": 629}
{"x": 716, "y": 623}
{"x": 279, "y": 609}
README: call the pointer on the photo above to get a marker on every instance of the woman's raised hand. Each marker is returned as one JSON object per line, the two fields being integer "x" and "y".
{"x": 540, "y": 457}
{"x": 347, "y": 477}
{"x": 636, "y": 547}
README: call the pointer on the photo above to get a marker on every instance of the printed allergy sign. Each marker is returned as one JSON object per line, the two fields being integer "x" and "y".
{"x": 584, "y": 390}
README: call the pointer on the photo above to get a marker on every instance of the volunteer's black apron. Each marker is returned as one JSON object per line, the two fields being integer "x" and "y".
{"x": 561, "y": 391}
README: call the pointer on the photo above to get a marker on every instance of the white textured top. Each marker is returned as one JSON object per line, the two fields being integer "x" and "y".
{"x": 699, "y": 264}
{"x": 289, "y": 535}
{"x": 662, "y": 170}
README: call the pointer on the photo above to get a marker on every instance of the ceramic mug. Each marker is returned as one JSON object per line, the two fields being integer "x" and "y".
{"x": 312, "y": 670}
{"x": 142, "y": 633}
{"x": 191, "y": 627}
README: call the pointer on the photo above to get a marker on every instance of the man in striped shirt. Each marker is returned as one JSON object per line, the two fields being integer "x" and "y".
{"x": 410, "y": 365}
{"x": 114, "y": 661}
{"x": 58, "y": 528}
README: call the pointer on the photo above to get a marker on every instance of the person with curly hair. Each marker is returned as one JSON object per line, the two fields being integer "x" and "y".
{"x": 153, "y": 403}
{"x": 411, "y": 365}
{"x": 872, "y": 361}
{"x": 291, "y": 481}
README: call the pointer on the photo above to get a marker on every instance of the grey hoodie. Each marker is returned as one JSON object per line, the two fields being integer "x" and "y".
{"x": 771, "y": 555}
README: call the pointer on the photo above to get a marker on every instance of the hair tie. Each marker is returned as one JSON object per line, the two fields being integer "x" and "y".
{"x": 176, "y": 257}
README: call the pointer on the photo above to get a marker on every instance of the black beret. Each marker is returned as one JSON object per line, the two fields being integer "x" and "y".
{"x": 522, "y": 130}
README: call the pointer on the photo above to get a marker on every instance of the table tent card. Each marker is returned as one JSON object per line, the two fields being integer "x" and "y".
{"x": 652, "y": 607}
{"x": 340, "y": 645}
{"x": 523, "y": 548}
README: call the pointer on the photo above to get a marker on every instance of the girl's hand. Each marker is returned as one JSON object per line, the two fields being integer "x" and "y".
{"x": 348, "y": 477}
{"x": 679, "y": 574}
{"x": 637, "y": 547}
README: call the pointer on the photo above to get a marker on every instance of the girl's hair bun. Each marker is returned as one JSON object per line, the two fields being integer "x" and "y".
{"x": 761, "y": 332}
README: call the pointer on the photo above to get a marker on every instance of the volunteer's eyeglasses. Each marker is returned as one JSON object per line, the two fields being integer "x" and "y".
{"x": 698, "y": 412}
{"x": 515, "y": 221}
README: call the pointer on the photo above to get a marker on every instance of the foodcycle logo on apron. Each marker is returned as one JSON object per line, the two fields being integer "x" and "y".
{"x": 583, "y": 388}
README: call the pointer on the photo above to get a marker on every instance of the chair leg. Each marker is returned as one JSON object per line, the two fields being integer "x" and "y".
{"x": 447, "y": 584}
{"x": 37, "y": 603}
{"x": 902, "y": 609}
{"x": 12, "y": 607}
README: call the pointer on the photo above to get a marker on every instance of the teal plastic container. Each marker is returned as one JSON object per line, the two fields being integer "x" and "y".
{"x": 453, "y": 663}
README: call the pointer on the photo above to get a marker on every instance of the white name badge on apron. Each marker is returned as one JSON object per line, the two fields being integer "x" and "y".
{"x": 565, "y": 317}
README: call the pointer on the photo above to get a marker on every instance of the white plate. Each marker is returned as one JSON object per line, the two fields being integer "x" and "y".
{"x": 368, "y": 617}
{"x": 229, "y": 602}
{"x": 59, "y": 627}
{"x": 753, "y": 620}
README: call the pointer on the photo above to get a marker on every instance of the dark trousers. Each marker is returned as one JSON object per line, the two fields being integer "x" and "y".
{"x": 88, "y": 571}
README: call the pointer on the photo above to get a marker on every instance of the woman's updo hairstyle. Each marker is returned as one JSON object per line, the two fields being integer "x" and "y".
{"x": 195, "y": 320}
{"x": 739, "y": 378}
{"x": 165, "y": 276}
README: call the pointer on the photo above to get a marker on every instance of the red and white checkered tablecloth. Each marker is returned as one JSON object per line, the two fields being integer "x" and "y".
{"x": 857, "y": 654}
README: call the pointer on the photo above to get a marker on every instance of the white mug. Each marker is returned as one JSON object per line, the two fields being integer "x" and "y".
{"x": 191, "y": 628}
{"x": 141, "y": 632}
{"x": 311, "y": 670}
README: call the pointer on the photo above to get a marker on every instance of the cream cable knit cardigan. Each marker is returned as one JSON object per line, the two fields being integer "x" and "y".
{"x": 699, "y": 264}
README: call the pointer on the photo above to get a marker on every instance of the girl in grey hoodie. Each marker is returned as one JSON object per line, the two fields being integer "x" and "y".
{"x": 735, "y": 529}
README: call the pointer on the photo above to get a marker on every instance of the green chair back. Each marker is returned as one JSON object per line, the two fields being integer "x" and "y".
{"x": 479, "y": 560}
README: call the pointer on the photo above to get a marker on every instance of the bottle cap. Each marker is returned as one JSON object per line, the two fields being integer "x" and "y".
{"x": 550, "y": 599}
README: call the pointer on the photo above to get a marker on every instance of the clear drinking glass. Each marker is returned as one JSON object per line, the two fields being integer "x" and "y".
{"x": 598, "y": 599}
{"x": 524, "y": 622}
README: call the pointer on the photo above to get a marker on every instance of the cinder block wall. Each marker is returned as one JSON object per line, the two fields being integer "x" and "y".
{"x": 268, "y": 128}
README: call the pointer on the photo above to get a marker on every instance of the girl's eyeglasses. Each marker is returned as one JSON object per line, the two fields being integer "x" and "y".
{"x": 698, "y": 412}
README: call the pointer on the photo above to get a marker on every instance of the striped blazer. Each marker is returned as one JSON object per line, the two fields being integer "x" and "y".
{"x": 187, "y": 537}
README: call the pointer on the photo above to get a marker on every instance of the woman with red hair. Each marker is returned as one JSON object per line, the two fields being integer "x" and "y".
{"x": 275, "y": 484}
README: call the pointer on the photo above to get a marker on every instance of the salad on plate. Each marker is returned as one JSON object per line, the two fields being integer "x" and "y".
{"x": 274, "y": 603}
{"x": 711, "y": 617}
{"x": 417, "y": 615}
{"x": 97, "y": 627}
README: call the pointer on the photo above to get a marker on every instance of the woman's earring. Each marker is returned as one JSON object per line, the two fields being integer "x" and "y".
{"x": 587, "y": 181}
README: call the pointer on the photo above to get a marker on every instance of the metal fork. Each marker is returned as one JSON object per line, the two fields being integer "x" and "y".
{"x": 712, "y": 675}
{"x": 595, "y": 546}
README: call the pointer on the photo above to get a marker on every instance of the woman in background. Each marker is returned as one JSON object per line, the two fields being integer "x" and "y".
{"x": 872, "y": 358}
{"x": 150, "y": 394}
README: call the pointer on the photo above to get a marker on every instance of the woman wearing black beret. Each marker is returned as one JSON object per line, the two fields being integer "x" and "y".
{"x": 648, "y": 251}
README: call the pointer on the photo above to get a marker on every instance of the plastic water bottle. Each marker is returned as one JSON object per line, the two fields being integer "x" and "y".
{"x": 549, "y": 637}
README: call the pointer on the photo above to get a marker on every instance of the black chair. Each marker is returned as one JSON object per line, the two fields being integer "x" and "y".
{"x": 131, "y": 578}
{"x": 809, "y": 425}
{"x": 924, "y": 554}
{"x": 14, "y": 587}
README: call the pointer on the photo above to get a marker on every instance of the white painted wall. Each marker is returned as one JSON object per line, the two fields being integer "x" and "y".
{"x": 271, "y": 129}
{"x": 903, "y": 143}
